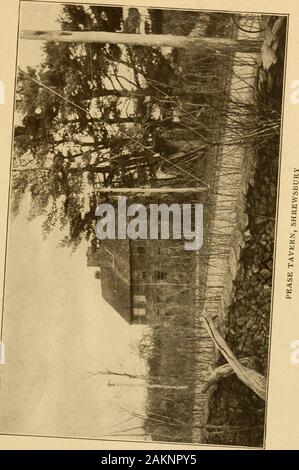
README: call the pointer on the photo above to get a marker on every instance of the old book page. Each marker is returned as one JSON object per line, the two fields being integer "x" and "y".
{"x": 149, "y": 183}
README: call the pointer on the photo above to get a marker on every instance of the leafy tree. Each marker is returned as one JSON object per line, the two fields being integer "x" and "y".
{"x": 72, "y": 135}
{"x": 88, "y": 118}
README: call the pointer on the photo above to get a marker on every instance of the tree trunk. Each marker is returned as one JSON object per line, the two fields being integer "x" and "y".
{"x": 154, "y": 40}
{"x": 254, "y": 380}
{"x": 226, "y": 370}
{"x": 147, "y": 385}
{"x": 122, "y": 93}
{"x": 152, "y": 190}
{"x": 105, "y": 120}
{"x": 142, "y": 377}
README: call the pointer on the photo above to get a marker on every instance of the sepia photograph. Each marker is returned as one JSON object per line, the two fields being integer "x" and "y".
{"x": 142, "y": 217}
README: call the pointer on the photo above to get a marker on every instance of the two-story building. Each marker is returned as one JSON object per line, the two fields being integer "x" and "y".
{"x": 145, "y": 281}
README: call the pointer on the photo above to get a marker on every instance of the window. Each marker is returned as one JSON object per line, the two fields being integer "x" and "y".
{"x": 139, "y": 275}
{"x": 138, "y": 289}
{"x": 161, "y": 275}
{"x": 139, "y": 312}
{"x": 139, "y": 298}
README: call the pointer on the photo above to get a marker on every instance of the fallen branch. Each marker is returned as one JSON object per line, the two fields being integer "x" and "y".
{"x": 254, "y": 380}
{"x": 226, "y": 370}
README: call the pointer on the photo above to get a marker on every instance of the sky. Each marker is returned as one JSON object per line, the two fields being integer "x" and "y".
{"x": 58, "y": 330}
{"x": 35, "y": 16}
{"x": 38, "y": 16}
